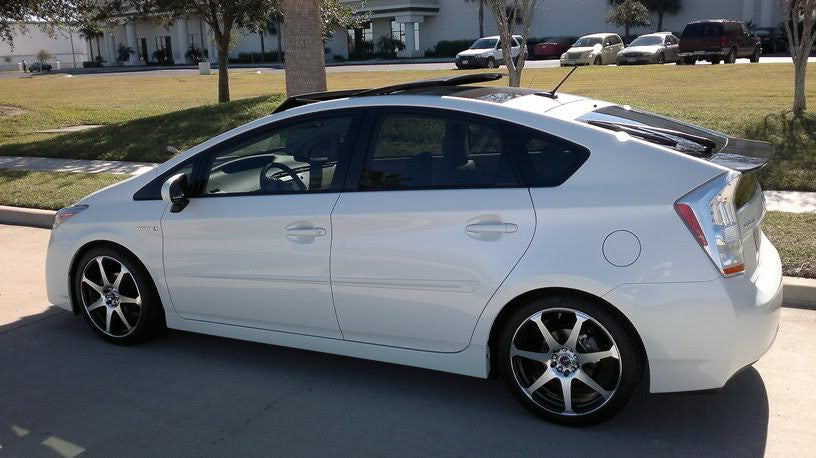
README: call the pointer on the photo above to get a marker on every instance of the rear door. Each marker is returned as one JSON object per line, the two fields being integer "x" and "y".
{"x": 436, "y": 219}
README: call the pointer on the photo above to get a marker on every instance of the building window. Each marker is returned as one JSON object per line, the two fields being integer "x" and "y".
{"x": 398, "y": 32}
{"x": 361, "y": 41}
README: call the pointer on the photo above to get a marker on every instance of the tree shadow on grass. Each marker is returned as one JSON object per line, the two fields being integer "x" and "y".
{"x": 146, "y": 139}
{"x": 793, "y": 167}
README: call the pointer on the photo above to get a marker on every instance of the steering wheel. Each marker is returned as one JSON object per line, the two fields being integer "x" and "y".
{"x": 268, "y": 182}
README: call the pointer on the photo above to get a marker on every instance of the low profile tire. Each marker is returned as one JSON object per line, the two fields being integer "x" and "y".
{"x": 569, "y": 359}
{"x": 491, "y": 63}
{"x": 116, "y": 296}
{"x": 598, "y": 61}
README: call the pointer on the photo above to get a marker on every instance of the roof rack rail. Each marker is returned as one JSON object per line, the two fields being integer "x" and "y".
{"x": 305, "y": 99}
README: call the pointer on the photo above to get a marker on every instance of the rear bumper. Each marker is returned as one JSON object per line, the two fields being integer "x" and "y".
{"x": 703, "y": 54}
{"x": 698, "y": 335}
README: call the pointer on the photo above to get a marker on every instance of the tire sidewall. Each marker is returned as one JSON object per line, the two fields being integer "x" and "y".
{"x": 627, "y": 343}
{"x": 151, "y": 313}
{"x": 491, "y": 63}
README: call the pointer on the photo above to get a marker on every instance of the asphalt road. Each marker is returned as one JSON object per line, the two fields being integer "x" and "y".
{"x": 351, "y": 67}
{"x": 64, "y": 392}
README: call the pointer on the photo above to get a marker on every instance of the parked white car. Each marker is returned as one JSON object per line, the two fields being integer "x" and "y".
{"x": 487, "y": 52}
{"x": 564, "y": 244}
{"x": 594, "y": 49}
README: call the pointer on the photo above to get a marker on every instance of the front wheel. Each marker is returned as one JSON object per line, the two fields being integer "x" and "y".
{"x": 598, "y": 61}
{"x": 491, "y": 63}
{"x": 569, "y": 359}
{"x": 731, "y": 57}
{"x": 755, "y": 56}
{"x": 661, "y": 59}
{"x": 117, "y": 297}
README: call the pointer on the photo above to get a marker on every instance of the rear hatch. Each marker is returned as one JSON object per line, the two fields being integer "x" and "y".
{"x": 701, "y": 36}
{"x": 741, "y": 155}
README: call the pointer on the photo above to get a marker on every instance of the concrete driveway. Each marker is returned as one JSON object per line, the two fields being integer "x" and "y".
{"x": 64, "y": 392}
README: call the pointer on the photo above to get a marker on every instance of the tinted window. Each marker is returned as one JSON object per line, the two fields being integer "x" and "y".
{"x": 546, "y": 160}
{"x": 305, "y": 156}
{"x": 703, "y": 29}
{"x": 435, "y": 151}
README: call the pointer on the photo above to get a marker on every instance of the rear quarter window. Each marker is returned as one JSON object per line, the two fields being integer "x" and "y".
{"x": 546, "y": 160}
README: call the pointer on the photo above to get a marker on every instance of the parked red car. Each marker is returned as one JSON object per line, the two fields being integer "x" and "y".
{"x": 553, "y": 47}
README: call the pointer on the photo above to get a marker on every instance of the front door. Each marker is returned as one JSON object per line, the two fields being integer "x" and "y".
{"x": 252, "y": 246}
{"x": 437, "y": 222}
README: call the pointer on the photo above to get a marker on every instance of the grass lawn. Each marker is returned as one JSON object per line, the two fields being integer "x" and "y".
{"x": 50, "y": 190}
{"x": 794, "y": 235}
{"x": 144, "y": 114}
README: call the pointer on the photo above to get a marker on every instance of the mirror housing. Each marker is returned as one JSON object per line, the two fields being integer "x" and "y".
{"x": 174, "y": 191}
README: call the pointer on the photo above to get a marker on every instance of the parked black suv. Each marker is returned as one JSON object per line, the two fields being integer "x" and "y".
{"x": 718, "y": 39}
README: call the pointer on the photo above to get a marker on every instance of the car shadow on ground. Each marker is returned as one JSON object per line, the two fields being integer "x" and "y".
{"x": 64, "y": 392}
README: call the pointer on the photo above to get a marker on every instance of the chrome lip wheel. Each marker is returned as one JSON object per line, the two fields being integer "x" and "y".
{"x": 114, "y": 307}
{"x": 565, "y": 361}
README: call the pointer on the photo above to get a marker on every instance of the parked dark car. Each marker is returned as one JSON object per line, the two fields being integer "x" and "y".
{"x": 718, "y": 40}
{"x": 552, "y": 48}
{"x": 40, "y": 67}
{"x": 772, "y": 39}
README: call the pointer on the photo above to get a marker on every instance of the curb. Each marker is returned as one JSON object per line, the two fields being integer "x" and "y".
{"x": 27, "y": 217}
{"x": 799, "y": 292}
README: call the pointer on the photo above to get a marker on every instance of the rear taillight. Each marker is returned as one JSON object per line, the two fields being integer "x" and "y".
{"x": 723, "y": 42}
{"x": 710, "y": 213}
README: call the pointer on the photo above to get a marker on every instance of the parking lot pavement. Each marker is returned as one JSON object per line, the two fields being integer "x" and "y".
{"x": 64, "y": 392}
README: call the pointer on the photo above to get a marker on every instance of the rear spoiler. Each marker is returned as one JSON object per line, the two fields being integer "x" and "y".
{"x": 743, "y": 155}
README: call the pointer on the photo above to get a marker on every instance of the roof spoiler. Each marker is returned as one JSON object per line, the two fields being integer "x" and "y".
{"x": 743, "y": 155}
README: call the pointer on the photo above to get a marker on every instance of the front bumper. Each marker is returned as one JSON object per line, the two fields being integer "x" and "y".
{"x": 58, "y": 260}
{"x": 471, "y": 62}
{"x": 698, "y": 335}
{"x": 633, "y": 60}
{"x": 583, "y": 60}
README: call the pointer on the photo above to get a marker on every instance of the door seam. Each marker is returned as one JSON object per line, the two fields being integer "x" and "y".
{"x": 331, "y": 251}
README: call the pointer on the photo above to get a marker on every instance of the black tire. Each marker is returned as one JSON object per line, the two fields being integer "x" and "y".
{"x": 148, "y": 315}
{"x": 629, "y": 365}
{"x": 598, "y": 61}
{"x": 661, "y": 59}
{"x": 714, "y": 61}
{"x": 756, "y": 54}
{"x": 491, "y": 63}
{"x": 731, "y": 57}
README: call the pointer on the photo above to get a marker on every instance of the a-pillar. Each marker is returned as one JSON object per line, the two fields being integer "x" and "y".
{"x": 130, "y": 34}
{"x": 182, "y": 42}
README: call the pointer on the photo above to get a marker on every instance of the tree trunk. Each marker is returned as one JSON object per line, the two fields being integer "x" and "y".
{"x": 98, "y": 52}
{"x": 626, "y": 32}
{"x": 481, "y": 18}
{"x": 280, "y": 45}
{"x": 799, "y": 99}
{"x": 305, "y": 67}
{"x": 90, "y": 47}
{"x": 659, "y": 20}
{"x": 223, "y": 71}
{"x": 263, "y": 50}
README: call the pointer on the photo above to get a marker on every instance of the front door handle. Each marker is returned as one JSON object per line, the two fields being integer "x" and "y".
{"x": 501, "y": 228}
{"x": 306, "y": 232}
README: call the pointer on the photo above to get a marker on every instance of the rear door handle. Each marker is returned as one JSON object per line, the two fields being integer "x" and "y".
{"x": 501, "y": 228}
{"x": 306, "y": 232}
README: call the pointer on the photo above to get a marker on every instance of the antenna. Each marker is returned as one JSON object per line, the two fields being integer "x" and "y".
{"x": 551, "y": 94}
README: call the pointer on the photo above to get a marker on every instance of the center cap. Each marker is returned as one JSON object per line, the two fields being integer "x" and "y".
{"x": 564, "y": 361}
{"x": 112, "y": 298}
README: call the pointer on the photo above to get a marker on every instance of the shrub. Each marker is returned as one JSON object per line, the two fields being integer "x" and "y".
{"x": 91, "y": 64}
{"x": 449, "y": 48}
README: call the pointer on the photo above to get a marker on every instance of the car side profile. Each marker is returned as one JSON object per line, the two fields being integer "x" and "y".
{"x": 718, "y": 40}
{"x": 594, "y": 49}
{"x": 487, "y": 52}
{"x": 564, "y": 244}
{"x": 652, "y": 48}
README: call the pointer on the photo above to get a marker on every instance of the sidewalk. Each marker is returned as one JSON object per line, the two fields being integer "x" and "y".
{"x": 783, "y": 201}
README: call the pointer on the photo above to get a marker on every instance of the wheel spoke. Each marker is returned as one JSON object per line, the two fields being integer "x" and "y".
{"x": 99, "y": 289}
{"x": 130, "y": 300}
{"x": 108, "y": 317}
{"x": 119, "y": 277}
{"x": 552, "y": 344}
{"x": 105, "y": 281}
{"x": 572, "y": 340}
{"x": 99, "y": 303}
{"x": 534, "y": 355}
{"x": 122, "y": 317}
{"x": 566, "y": 389}
{"x": 548, "y": 375}
{"x": 587, "y": 380}
{"x": 596, "y": 356}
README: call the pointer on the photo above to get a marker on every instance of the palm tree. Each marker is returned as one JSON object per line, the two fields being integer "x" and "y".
{"x": 305, "y": 63}
{"x": 91, "y": 31}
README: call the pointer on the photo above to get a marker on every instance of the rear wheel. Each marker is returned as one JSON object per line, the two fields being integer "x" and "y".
{"x": 117, "y": 297}
{"x": 569, "y": 359}
{"x": 714, "y": 61}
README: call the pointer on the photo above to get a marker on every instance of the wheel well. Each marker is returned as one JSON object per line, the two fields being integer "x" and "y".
{"x": 518, "y": 301}
{"x": 95, "y": 244}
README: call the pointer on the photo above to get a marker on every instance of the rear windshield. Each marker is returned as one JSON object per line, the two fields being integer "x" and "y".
{"x": 703, "y": 30}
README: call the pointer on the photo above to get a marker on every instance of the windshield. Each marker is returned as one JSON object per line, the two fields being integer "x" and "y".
{"x": 647, "y": 41}
{"x": 484, "y": 43}
{"x": 586, "y": 42}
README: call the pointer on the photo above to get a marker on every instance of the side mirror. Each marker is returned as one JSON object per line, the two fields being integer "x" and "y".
{"x": 174, "y": 191}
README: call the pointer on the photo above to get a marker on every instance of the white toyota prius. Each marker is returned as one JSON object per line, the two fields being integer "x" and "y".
{"x": 566, "y": 245}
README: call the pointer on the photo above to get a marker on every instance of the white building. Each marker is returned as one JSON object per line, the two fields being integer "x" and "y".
{"x": 65, "y": 46}
{"x": 419, "y": 24}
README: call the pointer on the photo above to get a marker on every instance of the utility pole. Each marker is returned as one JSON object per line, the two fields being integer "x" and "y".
{"x": 71, "y": 37}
